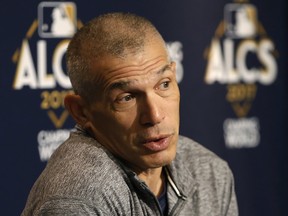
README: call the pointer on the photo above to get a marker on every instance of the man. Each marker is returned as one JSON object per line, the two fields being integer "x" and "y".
{"x": 126, "y": 157}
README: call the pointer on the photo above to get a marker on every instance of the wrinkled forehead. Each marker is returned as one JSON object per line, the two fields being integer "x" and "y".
{"x": 141, "y": 77}
{"x": 107, "y": 66}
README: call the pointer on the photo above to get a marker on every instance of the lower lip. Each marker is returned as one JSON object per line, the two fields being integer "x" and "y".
{"x": 159, "y": 145}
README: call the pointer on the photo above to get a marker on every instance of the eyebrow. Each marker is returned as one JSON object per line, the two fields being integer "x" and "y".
{"x": 123, "y": 84}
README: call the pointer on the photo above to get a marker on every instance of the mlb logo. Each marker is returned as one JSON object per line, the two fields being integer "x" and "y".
{"x": 240, "y": 20}
{"x": 57, "y": 19}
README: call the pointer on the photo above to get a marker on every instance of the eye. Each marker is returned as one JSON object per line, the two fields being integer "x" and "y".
{"x": 125, "y": 98}
{"x": 164, "y": 85}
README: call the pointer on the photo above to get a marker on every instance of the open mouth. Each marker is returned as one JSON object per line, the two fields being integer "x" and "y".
{"x": 157, "y": 144}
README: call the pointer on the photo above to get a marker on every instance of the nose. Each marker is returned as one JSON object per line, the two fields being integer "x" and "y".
{"x": 151, "y": 110}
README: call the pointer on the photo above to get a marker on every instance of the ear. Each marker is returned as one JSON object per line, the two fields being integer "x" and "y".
{"x": 173, "y": 67}
{"x": 76, "y": 107}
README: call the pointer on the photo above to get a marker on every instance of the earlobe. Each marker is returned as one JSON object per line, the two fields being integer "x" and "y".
{"x": 75, "y": 105}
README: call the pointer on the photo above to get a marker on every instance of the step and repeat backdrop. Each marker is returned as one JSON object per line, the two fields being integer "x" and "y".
{"x": 231, "y": 68}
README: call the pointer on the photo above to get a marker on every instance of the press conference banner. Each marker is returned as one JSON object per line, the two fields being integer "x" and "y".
{"x": 231, "y": 61}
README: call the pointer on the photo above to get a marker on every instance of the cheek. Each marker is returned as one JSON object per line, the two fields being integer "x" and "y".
{"x": 126, "y": 120}
{"x": 110, "y": 122}
{"x": 174, "y": 108}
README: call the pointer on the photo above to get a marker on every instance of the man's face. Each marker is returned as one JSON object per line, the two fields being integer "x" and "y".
{"x": 136, "y": 114}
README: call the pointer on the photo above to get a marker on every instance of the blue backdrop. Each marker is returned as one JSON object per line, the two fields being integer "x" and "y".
{"x": 231, "y": 67}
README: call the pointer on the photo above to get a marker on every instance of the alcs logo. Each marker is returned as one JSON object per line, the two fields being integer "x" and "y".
{"x": 243, "y": 38}
{"x": 240, "y": 55}
{"x": 56, "y": 20}
{"x": 40, "y": 65}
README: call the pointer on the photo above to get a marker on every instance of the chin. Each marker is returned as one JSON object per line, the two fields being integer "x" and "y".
{"x": 160, "y": 159}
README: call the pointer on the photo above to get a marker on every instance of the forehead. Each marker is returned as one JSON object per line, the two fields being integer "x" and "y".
{"x": 141, "y": 78}
{"x": 109, "y": 69}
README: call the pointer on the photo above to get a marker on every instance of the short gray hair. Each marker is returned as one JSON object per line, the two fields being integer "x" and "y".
{"x": 110, "y": 34}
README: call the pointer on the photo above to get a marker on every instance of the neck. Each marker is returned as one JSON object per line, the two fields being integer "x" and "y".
{"x": 154, "y": 180}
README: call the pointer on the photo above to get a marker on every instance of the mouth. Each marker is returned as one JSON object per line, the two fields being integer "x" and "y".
{"x": 156, "y": 144}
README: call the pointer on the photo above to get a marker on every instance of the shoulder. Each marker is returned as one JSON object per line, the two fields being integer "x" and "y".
{"x": 200, "y": 161}
{"x": 82, "y": 163}
{"x": 81, "y": 159}
{"x": 80, "y": 172}
{"x": 205, "y": 178}
{"x": 188, "y": 148}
